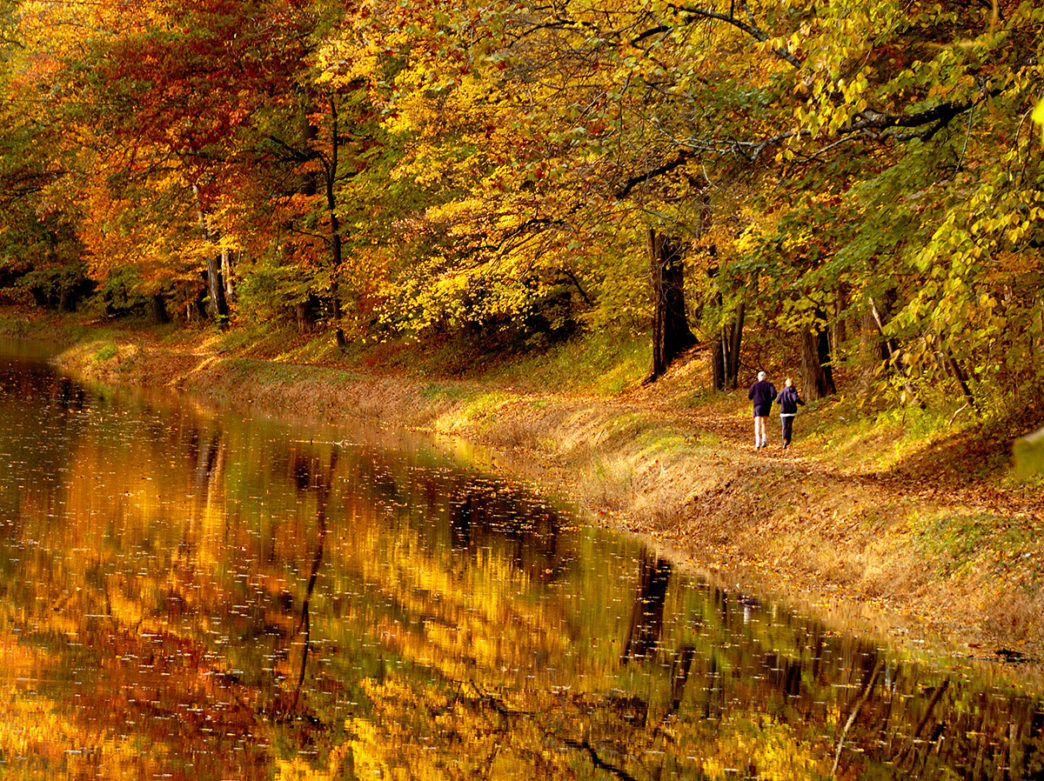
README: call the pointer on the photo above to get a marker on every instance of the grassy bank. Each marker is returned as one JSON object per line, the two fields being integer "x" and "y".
{"x": 903, "y": 522}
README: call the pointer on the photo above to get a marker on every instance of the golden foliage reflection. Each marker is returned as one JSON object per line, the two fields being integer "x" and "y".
{"x": 208, "y": 598}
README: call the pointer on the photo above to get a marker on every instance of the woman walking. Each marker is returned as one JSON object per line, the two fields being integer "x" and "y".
{"x": 788, "y": 403}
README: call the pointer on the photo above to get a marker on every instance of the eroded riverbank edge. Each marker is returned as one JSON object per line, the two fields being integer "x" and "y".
{"x": 853, "y": 548}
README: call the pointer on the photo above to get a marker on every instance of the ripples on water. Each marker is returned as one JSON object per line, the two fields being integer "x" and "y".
{"x": 193, "y": 596}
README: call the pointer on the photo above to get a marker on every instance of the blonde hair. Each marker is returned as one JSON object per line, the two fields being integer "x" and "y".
{"x": 787, "y": 382}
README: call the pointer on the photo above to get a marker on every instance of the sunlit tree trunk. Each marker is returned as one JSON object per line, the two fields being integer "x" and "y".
{"x": 226, "y": 273}
{"x": 891, "y": 354}
{"x": 217, "y": 306}
{"x": 725, "y": 351}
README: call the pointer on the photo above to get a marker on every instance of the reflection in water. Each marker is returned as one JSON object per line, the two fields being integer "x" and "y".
{"x": 654, "y": 574}
{"x": 309, "y": 476}
{"x": 186, "y": 596}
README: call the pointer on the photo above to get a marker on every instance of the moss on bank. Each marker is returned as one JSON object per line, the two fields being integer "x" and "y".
{"x": 898, "y": 524}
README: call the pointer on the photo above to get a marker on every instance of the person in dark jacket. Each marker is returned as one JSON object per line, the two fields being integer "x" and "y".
{"x": 762, "y": 393}
{"x": 788, "y": 403}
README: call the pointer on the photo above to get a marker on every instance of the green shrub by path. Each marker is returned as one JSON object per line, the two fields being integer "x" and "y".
{"x": 106, "y": 352}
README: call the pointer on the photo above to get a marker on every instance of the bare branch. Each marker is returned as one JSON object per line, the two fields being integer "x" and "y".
{"x": 750, "y": 28}
{"x": 683, "y": 156}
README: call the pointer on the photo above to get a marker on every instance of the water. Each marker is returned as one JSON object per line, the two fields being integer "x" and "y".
{"x": 193, "y": 596}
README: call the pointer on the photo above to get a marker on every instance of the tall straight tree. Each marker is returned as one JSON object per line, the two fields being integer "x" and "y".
{"x": 671, "y": 332}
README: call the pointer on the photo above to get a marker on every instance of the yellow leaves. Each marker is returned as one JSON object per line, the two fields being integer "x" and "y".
{"x": 454, "y": 214}
{"x": 768, "y": 744}
{"x": 341, "y": 759}
{"x": 353, "y": 52}
{"x": 1038, "y": 116}
{"x": 29, "y": 727}
{"x": 784, "y": 155}
{"x": 474, "y": 627}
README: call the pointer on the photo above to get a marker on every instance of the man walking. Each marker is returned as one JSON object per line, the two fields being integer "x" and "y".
{"x": 762, "y": 393}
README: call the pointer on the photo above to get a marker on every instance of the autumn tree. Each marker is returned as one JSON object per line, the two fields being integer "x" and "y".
{"x": 40, "y": 256}
{"x": 899, "y": 195}
{"x": 152, "y": 101}
{"x": 817, "y": 175}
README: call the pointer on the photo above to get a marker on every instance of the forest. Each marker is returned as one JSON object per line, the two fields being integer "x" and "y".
{"x": 857, "y": 183}
{"x": 848, "y": 190}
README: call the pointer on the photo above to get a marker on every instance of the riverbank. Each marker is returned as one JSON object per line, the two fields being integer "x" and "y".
{"x": 895, "y": 523}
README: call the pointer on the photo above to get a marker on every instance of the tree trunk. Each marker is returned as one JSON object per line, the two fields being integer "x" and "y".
{"x": 826, "y": 362}
{"x": 199, "y": 305}
{"x": 159, "y": 309}
{"x": 881, "y": 312}
{"x": 304, "y": 313}
{"x": 719, "y": 360}
{"x": 226, "y": 273}
{"x": 671, "y": 333}
{"x": 817, "y": 376}
{"x": 961, "y": 377}
{"x": 217, "y": 308}
{"x": 839, "y": 328}
{"x": 891, "y": 352}
{"x": 725, "y": 352}
{"x": 335, "y": 223}
{"x": 735, "y": 339}
{"x": 335, "y": 311}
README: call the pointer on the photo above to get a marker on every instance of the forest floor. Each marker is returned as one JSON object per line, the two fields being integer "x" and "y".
{"x": 893, "y": 523}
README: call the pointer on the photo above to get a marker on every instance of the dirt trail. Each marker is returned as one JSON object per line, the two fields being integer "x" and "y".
{"x": 930, "y": 549}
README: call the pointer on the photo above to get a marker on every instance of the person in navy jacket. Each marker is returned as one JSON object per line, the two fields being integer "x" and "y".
{"x": 788, "y": 403}
{"x": 762, "y": 393}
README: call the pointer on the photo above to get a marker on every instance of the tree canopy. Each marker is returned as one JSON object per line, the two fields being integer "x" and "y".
{"x": 861, "y": 181}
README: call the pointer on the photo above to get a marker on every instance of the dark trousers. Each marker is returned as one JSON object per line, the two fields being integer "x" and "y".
{"x": 788, "y": 428}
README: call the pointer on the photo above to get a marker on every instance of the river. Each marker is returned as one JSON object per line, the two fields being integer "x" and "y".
{"x": 199, "y": 594}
